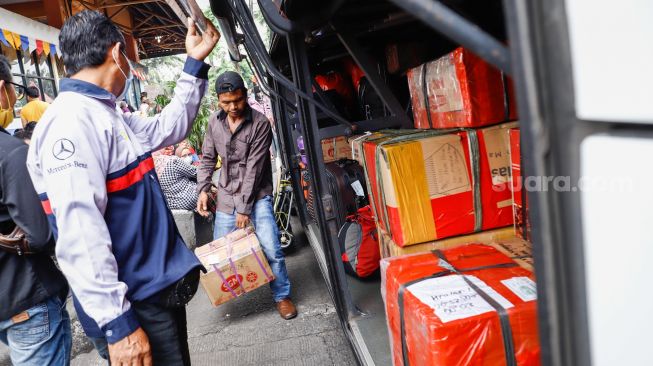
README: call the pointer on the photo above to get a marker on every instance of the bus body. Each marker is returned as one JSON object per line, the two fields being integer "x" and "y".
{"x": 585, "y": 112}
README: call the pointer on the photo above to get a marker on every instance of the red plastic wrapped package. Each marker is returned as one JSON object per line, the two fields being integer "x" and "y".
{"x": 354, "y": 71}
{"x": 468, "y": 306}
{"x": 431, "y": 185}
{"x": 335, "y": 81}
{"x": 519, "y": 197}
{"x": 460, "y": 90}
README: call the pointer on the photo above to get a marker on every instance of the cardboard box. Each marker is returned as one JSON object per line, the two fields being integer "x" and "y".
{"x": 356, "y": 142}
{"x": 519, "y": 196}
{"x": 438, "y": 313}
{"x": 460, "y": 90}
{"x": 436, "y": 184}
{"x": 504, "y": 240}
{"x": 336, "y": 148}
{"x": 235, "y": 263}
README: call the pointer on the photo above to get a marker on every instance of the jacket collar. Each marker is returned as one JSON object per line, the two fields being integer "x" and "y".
{"x": 87, "y": 89}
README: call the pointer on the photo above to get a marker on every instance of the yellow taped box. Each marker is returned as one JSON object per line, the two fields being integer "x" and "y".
{"x": 235, "y": 263}
{"x": 502, "y": 239}
{"x": 436, "y": 184}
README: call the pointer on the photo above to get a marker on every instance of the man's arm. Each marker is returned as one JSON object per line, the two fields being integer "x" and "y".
{"x": 175, "y": 121}
{"x": 24, "y": 207}
{"x": 259, "y": 151}
{"x": 71, "y": 160}
{"x": 209, "y": 158}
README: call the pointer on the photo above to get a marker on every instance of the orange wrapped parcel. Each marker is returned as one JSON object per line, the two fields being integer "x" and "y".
{"x": 443, "y": 308}
{"x": 460, "y": 90}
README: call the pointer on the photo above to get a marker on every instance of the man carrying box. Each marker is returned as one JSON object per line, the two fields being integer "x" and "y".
{"x": 242, "y": 136}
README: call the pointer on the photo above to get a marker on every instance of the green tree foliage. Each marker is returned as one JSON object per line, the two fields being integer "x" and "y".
{"x": 164, "y": 71}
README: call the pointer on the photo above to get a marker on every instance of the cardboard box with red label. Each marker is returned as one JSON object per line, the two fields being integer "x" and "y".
{"x": 236, "y": 265}
{"x": 437, "y": 184}
{"x": 336, "y": 148}
{"x": 460, "y": 90}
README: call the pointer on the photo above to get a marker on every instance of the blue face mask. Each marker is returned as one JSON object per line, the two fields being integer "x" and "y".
{"x": 129, "y": 76}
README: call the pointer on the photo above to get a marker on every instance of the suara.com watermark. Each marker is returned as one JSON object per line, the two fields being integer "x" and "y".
{"x": 537, "y": 183}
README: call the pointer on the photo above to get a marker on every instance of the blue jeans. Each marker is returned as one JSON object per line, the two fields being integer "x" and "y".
{"x": 43, "y": 339}
{"x": 268, "y": 234}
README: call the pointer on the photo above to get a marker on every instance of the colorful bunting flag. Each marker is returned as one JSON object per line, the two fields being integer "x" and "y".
{"x": 26, "y": 43}
{"x": 3, "y": 39}
{"x": 39, "y": 47}
{"x": 32, "y": 44}
{"x": 10, "y": 37}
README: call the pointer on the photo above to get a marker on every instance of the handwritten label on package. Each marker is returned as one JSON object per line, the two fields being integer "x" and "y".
{"x": 358, "y": 188}
{"x": 523, "y": 287}
{"x": 446, "y": 170}
{"x": 452, "y": 298}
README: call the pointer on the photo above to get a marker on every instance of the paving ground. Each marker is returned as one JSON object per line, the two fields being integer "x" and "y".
{"x": 248, "y": 330}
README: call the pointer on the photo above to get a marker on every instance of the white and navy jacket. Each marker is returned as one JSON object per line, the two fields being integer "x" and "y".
{"x": 117, "y": 241}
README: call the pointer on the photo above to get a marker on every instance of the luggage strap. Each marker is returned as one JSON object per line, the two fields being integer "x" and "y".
{"x": 232, "y": 265}
{"x": 260, "y": 264}
{"x": 425, "y": 93}
{"x": 506, "y": 97}
{"x": 506, "y": 330}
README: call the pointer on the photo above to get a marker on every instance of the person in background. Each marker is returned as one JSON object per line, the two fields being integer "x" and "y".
{"x": 34, "y": 322}
{"x": 260, "y": 102}
{"x": 242, "y": 136}
{"x": 124, "y": 107}
{"x": 186, "y": 151}
{"x": 178, "y": 180}
{"x": 130, "y": 272}
{"x": 35, "y": 107}
{"x": 25, "y": 134}
{"x": 9, "y": 94}
{"x": 144, "y": 109}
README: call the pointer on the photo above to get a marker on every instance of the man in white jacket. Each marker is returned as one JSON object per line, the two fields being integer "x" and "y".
{"x": 129, "y": 270}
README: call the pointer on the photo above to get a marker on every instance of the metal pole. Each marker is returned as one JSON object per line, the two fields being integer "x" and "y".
{"x": 460, "y": 30}
{"x": 127, "y": 3}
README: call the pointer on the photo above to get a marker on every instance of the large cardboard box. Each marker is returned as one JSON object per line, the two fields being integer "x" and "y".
{"x": 519, "y": 197}
{"x": 336, "y": 148}
{"x": 235, "y": 263}
{"x": 503, "y": 239}
{"x": 437, "y": 184}
{"x": 460, "y": 90}
{"x": 467, "y": 306}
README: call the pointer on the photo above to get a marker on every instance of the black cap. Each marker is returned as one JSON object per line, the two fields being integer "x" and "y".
{"x": 229, "y": 81}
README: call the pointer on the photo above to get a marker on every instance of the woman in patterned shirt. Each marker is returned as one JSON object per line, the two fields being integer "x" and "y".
{"x": 178, "y": 179}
